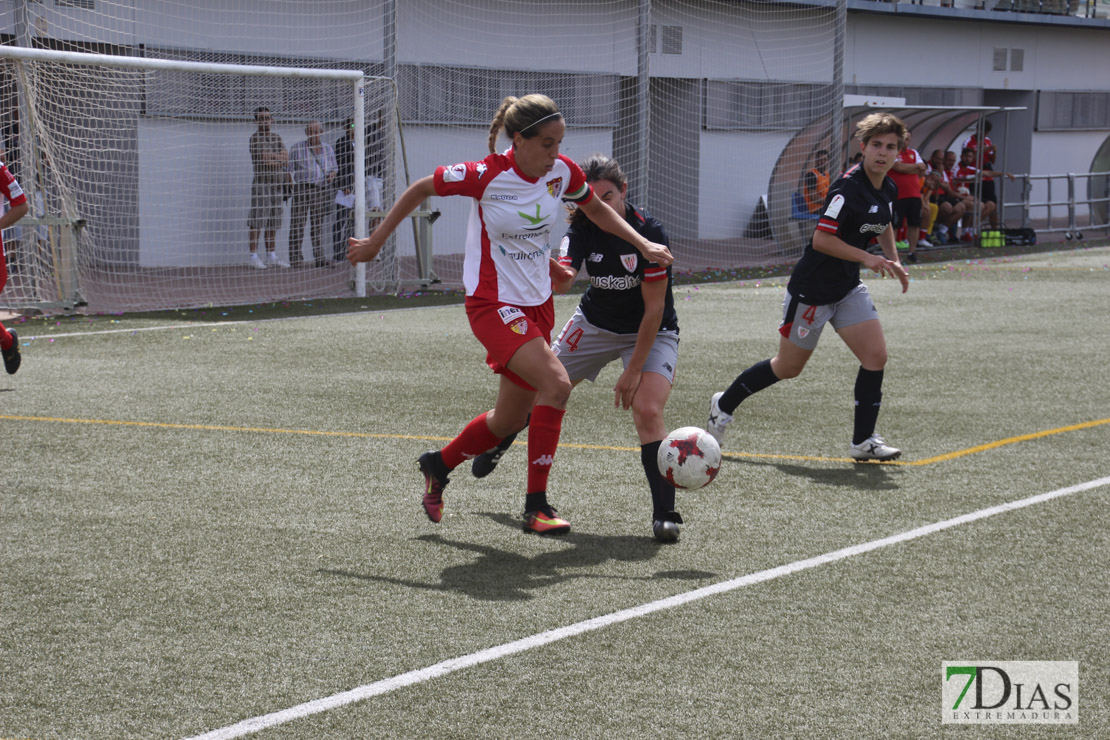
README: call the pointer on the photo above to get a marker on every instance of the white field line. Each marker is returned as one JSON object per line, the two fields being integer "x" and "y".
{"x": 236, "y": 322}
{"x": 387, "y": 685}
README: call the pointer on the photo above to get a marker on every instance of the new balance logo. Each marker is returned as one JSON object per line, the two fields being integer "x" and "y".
{"x": 544, "y": 460}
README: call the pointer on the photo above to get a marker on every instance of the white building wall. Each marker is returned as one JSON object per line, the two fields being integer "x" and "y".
{"x": 734, "y": 172}
{"x": 914, "y": 51}
{"x": 599, "y": 36}
{"x": 720, "y": 44}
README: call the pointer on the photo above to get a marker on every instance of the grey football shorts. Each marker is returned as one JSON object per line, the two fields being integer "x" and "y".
{"x": 802, "y": 323}
{"x": 584, "y": 349}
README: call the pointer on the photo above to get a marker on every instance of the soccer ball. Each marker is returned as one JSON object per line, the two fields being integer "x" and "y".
{"x": 689, "y": 458}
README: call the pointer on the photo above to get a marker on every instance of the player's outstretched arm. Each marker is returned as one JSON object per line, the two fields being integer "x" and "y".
{"x": 562, "y": 276}
{"x": 889, "y": 265}
{"x": 364, "y": 250}
{"x": 608, "y": 220}
{"x": 13, "y": 215}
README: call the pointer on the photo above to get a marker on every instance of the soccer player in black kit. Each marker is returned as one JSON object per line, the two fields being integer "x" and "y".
{"x": 627, "y": 313}
{"x": 825, "y": 288}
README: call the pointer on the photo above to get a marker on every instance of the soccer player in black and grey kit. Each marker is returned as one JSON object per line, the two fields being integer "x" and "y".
{"x": 825, "y": 288}
{"x": 627, "y": 313}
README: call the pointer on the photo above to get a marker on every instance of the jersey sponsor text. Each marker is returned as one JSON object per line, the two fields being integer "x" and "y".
{"x": 611, "y": 282}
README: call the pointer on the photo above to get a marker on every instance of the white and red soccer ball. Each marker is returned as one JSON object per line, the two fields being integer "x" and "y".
{"x": 689, "y": 458}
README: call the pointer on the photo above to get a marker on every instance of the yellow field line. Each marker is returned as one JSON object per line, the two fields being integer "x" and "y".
{"x": 1008, "y": 441}
{"x": 211, "y": 428}
{"x": 731, "y": 455}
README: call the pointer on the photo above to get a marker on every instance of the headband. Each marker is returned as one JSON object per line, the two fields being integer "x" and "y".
{"x": 541, "y": 120}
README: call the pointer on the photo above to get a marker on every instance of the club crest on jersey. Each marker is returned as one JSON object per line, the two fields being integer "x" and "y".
{"x": 455, "y": 173}
{"x": 555, "y": 187}
{"x": 520, "y": 326}
{"x": 629, "y": 261}
{"x": 510, "y": 314}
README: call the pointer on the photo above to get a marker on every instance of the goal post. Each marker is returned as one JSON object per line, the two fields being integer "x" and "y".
{"x": 147, "y": 163}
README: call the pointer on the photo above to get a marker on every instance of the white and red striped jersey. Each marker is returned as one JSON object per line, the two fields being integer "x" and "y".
{"x": 508, "y": 232}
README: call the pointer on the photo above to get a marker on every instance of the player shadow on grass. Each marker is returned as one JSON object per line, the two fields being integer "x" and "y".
{"x": 866, "y": 476}
{"x": 502, "y": 575}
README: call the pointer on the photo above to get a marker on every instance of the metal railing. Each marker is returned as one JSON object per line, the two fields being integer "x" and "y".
{"x": 1059, "y": 211}
{"x": 1072, "y": 8}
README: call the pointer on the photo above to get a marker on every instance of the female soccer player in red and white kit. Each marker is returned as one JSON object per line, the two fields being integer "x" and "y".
{"x": 507, "y": 268}
{"x": 9, "y": 340}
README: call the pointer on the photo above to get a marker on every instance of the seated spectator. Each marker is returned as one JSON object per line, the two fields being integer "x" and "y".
{"x": 984, "y": 158}
{"x": 929, "y": 207}
{"x": 966, "y": 176}
{"x": 950, "y": 205}
{"x": 816, "y": 182}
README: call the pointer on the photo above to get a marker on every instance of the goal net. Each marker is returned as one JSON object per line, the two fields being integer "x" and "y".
{"x": 716, "y": 110}
{"x": 148, "y": 189}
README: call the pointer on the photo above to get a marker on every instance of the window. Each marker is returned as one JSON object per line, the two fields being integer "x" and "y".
{"x": 452, "y": 95}
{"x": 764, "y": 105}
{"x": 1072, "y": 111}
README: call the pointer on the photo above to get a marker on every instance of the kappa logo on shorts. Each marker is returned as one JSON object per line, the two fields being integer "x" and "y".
{"x": 629, "y": 261}
{"x": 520, "y": 326}
{"x": 509, "y": 314}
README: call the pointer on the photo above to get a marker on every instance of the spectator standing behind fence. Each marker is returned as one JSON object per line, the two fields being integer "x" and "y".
{"x": 344, "y": 196}
{"x": 907, "y": 170}
{"x": 345, "y": 182}
{"x": 13, "y": 195}
{"x": 312, "y": 165}
{"x": 269, "y": 159}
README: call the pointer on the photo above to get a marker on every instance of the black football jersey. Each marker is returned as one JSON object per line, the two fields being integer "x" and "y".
{"x": 616, "y": 269}
{"x": 856, "y": 213}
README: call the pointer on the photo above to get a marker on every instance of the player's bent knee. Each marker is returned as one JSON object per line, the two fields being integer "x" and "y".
{"x": 555, "y": 391}
{"x": 874, "y": 361}
{"x": 647, "y": 415}
{"x": 786, "y": 371}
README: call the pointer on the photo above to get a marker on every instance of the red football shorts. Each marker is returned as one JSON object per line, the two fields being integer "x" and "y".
{"x": 503, "y": 329}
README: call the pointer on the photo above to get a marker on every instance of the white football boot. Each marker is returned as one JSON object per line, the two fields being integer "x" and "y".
{"x": 874, "y": 448}
{"x": 717, "y": 419}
